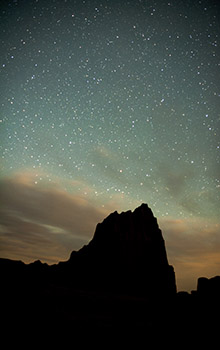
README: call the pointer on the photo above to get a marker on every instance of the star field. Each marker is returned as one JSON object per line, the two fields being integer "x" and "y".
{"x": 115, "y": 101}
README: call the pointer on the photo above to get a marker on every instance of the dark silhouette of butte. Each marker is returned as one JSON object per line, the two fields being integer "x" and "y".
{"x": 126, "y": 255}
{"x": 122, "y": 278}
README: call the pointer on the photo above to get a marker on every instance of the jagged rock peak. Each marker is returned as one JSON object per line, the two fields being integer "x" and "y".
{"x": 143, "y": 209}
{"x": 132, "y": 238}
{"x": 128, "y": 252}
{"x": 137, "y": 225}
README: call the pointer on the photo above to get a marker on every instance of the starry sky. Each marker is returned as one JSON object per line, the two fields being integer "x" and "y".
{"x": 105, "y": 105}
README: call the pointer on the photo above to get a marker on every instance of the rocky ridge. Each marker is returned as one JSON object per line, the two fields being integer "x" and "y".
{"x": 127, "y": 253}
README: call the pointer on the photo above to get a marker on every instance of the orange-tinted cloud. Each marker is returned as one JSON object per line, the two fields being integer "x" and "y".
{"x": 41, "y": 222}
{"x": 193, "y": 247}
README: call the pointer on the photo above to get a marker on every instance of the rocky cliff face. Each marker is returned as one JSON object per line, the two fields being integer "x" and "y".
{"x": 127, "y": 253}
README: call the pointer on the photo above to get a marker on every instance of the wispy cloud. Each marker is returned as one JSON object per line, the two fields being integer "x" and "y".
{"x": 174, "y": 180}
{"x": 41, "y": 221}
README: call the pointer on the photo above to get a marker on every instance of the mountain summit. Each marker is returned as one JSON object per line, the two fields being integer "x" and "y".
{"x": 126, "y": 254}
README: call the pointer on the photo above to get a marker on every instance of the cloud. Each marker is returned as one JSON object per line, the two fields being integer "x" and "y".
{"x": 193, "y": 248}
{"x": 175, "y": 181}
{"x": 41, "y": 221}
{"x": 106, "y": 163}
{"x": 181, "y": 186}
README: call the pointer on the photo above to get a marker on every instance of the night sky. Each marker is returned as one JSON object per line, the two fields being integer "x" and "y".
{"x": 105, "y": 105}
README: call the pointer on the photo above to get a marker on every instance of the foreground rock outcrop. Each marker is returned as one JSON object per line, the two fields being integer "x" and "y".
{"x": 127, "y": 254}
